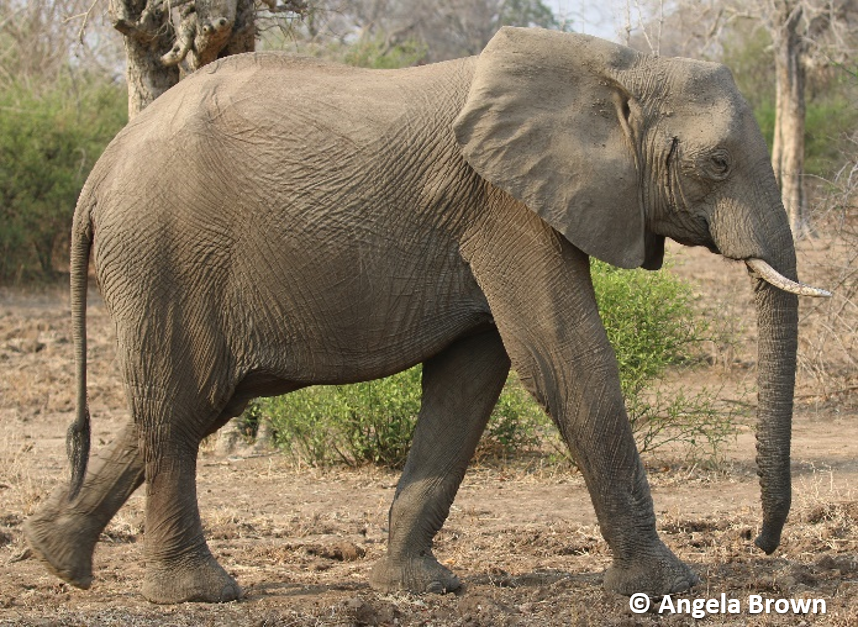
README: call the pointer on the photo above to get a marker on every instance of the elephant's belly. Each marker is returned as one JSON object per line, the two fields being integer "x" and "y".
{"x": 358, "y": 327}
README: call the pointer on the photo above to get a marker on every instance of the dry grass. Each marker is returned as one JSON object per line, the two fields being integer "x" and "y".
{"x": 828, "y": 349}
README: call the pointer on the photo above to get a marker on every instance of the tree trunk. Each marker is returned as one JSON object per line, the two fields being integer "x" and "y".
{"x": 159, "y": 50}
{"x": 148, "y": 35}
{"x": 788, "y": 146}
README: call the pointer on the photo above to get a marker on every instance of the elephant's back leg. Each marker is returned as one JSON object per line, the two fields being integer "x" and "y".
{"x": 63, "y": 533}
{"x": 167, "y": 410}
{"x": 179, "y": 385}
{"x": 460, "y": 388}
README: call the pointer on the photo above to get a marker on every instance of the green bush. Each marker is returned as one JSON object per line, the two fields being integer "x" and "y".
{"x": 373, "y": 422}
{"x": 366, "y": 423}
{"x": 371, "y": 52}
{"x": 827, "y": 119}
{"x": 652, "y": 325}
{"x": 49, "y": 140}
{"x": 650, "y": 320}
{"x": 517, "y": 423}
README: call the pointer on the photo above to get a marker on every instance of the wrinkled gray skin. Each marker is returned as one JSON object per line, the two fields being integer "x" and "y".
{"x": 273, "y": 222}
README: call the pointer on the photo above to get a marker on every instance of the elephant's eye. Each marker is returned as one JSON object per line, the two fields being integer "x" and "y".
{"x": 719, "y": 166}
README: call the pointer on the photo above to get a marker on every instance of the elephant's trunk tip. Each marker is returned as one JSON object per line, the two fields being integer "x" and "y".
{"x": 769, "y": 539}
{"x": 776, "y": 508}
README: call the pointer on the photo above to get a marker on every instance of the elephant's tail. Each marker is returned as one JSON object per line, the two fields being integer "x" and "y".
{"x": 78, "y": 435}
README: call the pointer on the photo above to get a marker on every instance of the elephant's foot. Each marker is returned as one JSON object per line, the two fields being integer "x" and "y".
{"x": 64, "y": 541}
{"x": 203, "y": 581}
{"x": 655, "y": 572}
{"x": 417, "y": 574}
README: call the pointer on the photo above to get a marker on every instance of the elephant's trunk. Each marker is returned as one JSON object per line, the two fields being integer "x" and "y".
{"x": 777, "y": 321}
{"x": 760, "y": 235}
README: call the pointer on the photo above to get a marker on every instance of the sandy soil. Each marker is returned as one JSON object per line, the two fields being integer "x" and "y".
{"x": 522, "y": 535}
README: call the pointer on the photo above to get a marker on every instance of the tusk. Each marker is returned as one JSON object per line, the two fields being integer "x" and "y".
{"x": 764, "y": 271}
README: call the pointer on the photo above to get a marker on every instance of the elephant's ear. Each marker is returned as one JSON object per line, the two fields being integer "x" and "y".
{"x": 547, "y": 121}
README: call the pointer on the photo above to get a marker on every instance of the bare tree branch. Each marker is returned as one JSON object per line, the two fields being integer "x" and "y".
{"x": 85, "y": 20}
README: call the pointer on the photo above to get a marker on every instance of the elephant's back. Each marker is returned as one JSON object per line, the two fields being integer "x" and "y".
{"x": 260, "y": 108}
{"x": 275, "y": 92}
{"x": 253, "y": 120}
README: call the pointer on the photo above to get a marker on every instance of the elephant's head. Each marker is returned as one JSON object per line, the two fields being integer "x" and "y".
{"x": 617, "y": 150}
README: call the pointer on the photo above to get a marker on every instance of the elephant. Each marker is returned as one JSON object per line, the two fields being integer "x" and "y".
{"x": 275, "y": 222}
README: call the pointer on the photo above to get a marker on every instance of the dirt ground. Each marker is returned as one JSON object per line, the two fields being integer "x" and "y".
{"x": 521, "y": 535}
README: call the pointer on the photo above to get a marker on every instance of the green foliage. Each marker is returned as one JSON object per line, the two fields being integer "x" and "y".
{"x": 747, "y": 51}
{"x": 649, "y": 318}
{"x": 376, "y": 53}
{"x": 748, "y": 54}
{"x": 830, "y": 118}
{"x": 248, "y": 422}
{"x": 373, "y": 422}
{"x": 365, "y": 423}
{"x": 692, "y": 420}
{"x": 387, "y": 35}
{"x": 651, "y": 323}
{"x": 49, "y": 141}
{"x": 517, "y": 423}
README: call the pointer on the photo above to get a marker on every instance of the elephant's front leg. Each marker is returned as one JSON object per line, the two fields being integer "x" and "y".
{"x": 595, "y": 425}
{"x": 460, "y": 388}
{"x": 179, "y": 565}
{"x": 539, "y": 289}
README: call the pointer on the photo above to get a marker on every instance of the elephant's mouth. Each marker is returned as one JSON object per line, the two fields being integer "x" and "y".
{"x": 764, "y": 271}
{"x": 696, "y": 242}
